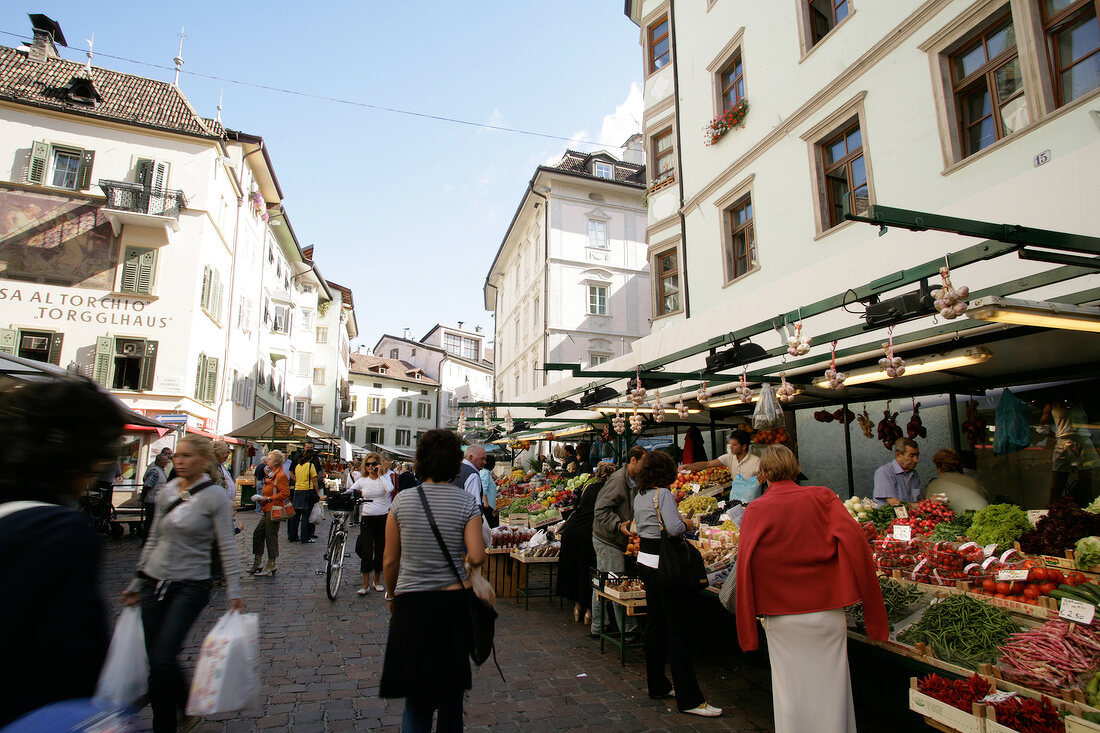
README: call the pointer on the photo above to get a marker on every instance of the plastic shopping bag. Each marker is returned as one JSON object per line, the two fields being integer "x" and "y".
{"x": 744, "y": 489}
{"x": 125, "y": 675}
{"x": 227, "y": 676}
{"x": 317, "y": 514}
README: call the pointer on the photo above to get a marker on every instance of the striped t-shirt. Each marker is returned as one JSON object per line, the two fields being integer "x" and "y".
{"x": 423, "y": 565}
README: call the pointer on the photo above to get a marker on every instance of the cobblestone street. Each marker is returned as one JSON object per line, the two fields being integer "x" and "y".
{"x": 321, "y": 660}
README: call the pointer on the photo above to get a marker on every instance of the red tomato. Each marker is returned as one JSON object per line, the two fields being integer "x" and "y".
{"x": 1018, "y": 587}
{"x": 1003, "y": 588}
{"x": 1046, "y": 588}
{"x": 1031, "y": 602}
{"x": 1000, "y": 595}
{"x": 989, "y": 584}
{"x": 1031, "y": 592}
{"x": 1039, "y": 575}
{"x": 1056, "y": 577}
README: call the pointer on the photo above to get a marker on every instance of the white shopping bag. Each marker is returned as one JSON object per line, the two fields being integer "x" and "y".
{"x": 125, "y": 675}
{"x": 317, "y": 514}
{"x": 227, "y": 676}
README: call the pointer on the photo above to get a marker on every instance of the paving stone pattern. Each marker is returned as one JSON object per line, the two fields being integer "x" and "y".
{"x": 321, "y": 660}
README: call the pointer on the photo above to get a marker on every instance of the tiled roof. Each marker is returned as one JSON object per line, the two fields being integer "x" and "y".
{"x": 124, "y": 98}
{"x": 577, "y": 163}
{"x": 395, "y": 369}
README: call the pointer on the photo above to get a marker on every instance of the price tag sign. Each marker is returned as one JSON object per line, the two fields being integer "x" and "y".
{"x": 1034, "y": 515}
{"x": 1078, "y": 611}
{"x": 1012, "y": 575}
{"x": 694, "y": 488}
{"x": 998, "y": 696}
{"x": 903, "y": 532}
{"x": 901, "y": 512}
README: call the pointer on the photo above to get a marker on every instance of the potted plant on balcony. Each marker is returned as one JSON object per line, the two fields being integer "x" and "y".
{"x": 726, "y": 121}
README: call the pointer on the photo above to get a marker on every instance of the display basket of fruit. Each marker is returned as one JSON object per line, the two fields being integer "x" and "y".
{"x": 624, "y": 588}
{"x": 892, "y": 554}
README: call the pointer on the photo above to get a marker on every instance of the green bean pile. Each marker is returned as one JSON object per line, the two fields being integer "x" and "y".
{"x": 962, "y": 630}
{"x": 898, "y": 598}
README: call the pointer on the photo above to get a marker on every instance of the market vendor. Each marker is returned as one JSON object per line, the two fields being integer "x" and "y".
{"x": 739, "y": 460}
{"x": 897, "y": 482}
{"x": 611, "y": 529}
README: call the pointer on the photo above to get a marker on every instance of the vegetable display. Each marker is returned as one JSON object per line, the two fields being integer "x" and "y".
{"x": 859, "y": 508}
{"x": 924, "y": 516}
{"x": 1086, "y": 552}
{"x": 962, "y": 630}
{"x": 1059, "y": 530}
{"x": 961, "y": 694}
{"x": 953, "y": 528}
{"x": 882, "y": 516}
{"x": 998, "y": 524}
{"x": 1050, "y": 657}
{"x": 898, "y": 598}
{"x": 1027, "y": 715}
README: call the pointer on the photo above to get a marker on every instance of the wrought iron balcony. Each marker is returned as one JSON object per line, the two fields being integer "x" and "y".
{"x": 133, "y": 198}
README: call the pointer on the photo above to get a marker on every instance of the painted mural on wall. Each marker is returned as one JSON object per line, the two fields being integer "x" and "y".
{"x": 55, "y": 239}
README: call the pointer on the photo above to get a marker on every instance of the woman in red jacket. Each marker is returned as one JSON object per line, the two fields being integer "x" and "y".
{"x": 274, "y": 492}
{"x": 801, "y": 559}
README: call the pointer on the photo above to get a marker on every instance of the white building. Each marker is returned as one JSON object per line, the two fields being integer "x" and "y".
{"x": 393, "y": 403}
{"x": 458, "y": 359}
{"x": 570, "y": 281}
{"x": 138, "y": 243}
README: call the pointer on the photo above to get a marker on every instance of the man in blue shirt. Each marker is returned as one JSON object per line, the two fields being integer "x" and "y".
{"x": 897, "y": 482}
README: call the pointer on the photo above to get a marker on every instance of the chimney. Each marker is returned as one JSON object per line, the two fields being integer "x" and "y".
{"x": 634, "y": 150}
{"x": 460, "y": 325}
{"x": 46, "y": 33}
{"x": 477, "y": 329}
{"x": 408, "y": 334}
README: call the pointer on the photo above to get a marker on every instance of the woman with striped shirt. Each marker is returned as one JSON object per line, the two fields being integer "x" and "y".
{"x": 428, "y": 650}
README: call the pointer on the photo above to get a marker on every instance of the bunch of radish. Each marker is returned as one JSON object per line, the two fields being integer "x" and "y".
{"x": 658, "y": 408}
{"x": 950, "y": 302}
{"x": 797, "y": 344}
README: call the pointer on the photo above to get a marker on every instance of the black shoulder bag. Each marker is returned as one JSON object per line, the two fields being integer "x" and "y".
{"x": 681, "y": 566}
{"x": 191, "y": 492}
{"x": 482, "y": 615}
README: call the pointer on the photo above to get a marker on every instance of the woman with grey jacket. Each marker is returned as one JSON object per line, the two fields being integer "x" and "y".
{"x": 173, "y": 575}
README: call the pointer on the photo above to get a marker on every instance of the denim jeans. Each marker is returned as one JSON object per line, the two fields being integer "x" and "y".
{"x": 303, "y": 502}
{"x": 610, "y": 557}
{"x": 417, "y": 717}
{"x": 167, "y": 614}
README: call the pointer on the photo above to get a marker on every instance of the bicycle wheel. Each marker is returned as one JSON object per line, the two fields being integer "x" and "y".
{"x": 334, "y": 570}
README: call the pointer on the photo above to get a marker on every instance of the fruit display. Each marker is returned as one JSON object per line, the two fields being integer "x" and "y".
{"x": 778, "y": 435}
{"x": 697, "y": 504}
{"x": 706, "y": 478}
{"x": 890, "y": 554}
{"x": 509, "y": 537}
{"x": 860, "y": 508}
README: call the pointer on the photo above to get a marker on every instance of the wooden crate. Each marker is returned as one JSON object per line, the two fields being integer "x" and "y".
{"x": 950, "y": 717}
{"x": 503, "y": 574}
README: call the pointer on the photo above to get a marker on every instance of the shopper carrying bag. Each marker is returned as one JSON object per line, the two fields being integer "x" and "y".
{"x": 125, "y": 675}
{"x": 227, "y": 676}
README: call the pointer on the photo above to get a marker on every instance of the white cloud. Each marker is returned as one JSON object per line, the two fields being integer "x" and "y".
{"x": 574, "y": 143}
{"x": 624, "y": 121}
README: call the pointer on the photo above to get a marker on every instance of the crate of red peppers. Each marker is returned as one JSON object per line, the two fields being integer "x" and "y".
{"x": 892, "y": 554}
{"x": 1023, "y": 715}
{"x": 954, "y": 703}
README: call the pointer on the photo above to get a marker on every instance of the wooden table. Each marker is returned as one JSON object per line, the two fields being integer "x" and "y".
{"x": 523, "y": 584}
{"x": 634, "y": 607}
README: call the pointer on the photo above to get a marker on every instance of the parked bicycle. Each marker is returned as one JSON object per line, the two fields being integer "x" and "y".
{"x": 343, "y": 506}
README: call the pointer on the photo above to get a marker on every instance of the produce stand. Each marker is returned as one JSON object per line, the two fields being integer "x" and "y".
{"x": 524, "y": 566}
{"x": 501, "y": 572}
{"x": 633, "y": 607}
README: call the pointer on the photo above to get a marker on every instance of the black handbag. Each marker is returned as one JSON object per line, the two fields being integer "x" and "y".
{"x": 482, "y": 614}
{"x": 681, "y": 566}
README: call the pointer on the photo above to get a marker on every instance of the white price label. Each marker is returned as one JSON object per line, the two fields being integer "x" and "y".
{"x": 1012, "y": 575}
{"x": 901, "y": 512}
{"x": 1078, "y": 611}
{"x": 998, "y": 696}
{"x": 694, "y": 488}
{"x": 903, "y": 532}
{"x": 1034, "y": 515}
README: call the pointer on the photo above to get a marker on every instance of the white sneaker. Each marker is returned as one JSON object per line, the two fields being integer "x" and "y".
{"x": 361, "y": 592}
{"x": 380, "y": 588}
{"x": 706, "y": 710}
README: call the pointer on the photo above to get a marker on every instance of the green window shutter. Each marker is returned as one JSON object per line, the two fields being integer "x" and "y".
{"x": 210, "y": 388}
{"x": 145, "y": 172}
{"x": 36, "y": 166}
{"x": 84, "y": 172}
{"x": 130, "y": 259}
{"x": 160, "y": 176}
{"x": 104, "y": 351}
{"x": 206, "y": 288}
{"x": 148, "y": 365}
{"x": 55, "y": 348}
{"x": 215, "y": 306}
{"x": 9, "y": 337}
{"x": 146, "y": 266}
{"x": 198, "y": 377}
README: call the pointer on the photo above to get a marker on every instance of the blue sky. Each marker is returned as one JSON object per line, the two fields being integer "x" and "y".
{"x": 408, "y": 212}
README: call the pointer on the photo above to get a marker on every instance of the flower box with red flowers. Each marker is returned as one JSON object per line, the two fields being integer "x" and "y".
{"x": 726, "y": 121}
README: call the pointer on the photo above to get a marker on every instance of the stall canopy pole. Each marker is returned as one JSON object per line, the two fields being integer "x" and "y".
{"x": 848, "y": 453}
{"x": 956, "y": 444}
{"x": 713, "y": 436}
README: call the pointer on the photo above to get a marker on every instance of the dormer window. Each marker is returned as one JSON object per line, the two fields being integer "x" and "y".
{"x": 603, "y": 170}
{"x": 82, "y": 91}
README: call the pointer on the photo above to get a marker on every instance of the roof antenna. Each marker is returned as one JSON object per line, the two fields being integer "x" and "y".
{"x": 88, "y": 63}
{"x": 179, "y": 60}
{"x": 219, "y": 117}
